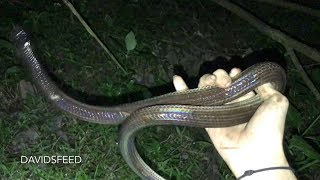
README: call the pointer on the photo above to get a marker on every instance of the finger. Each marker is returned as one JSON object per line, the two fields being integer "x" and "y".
{"x": 223, "y": 79}
{"x": 244, "y": 97}
{"x": 266, "y": 91}
{"x": 234, "y": 72}
{"x": 207, "y": 80}
{"x": 179, "y": 83}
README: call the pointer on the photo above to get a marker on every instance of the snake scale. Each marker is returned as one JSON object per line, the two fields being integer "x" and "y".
{"x": 201, "y": 107}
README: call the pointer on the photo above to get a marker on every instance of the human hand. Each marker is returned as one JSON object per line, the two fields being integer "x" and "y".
{"x": 256, "y": 144}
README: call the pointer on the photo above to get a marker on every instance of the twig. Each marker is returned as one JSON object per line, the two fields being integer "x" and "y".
{"x": 75, "y": 12}
{"x": 310, "y": 65}
{"x": 303, "y": 74}
{"x": 275, "y": 34}
{"x": 280, "y": 37}
{"x": 312, "y": 124}
{"x": 293, "y": 6}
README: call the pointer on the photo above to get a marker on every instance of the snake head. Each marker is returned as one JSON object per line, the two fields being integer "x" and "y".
{"x": 19, "y": 36}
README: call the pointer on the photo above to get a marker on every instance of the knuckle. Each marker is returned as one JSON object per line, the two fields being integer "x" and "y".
{"x": 220, "y": 72}
{"x": 279, "y": 98}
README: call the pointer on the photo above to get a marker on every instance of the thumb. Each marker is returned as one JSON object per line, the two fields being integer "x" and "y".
{"x": 179, "y": 83}
{"x": 269, "y": 119}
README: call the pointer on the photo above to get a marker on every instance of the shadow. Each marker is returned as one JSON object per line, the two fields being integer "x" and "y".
{"x": 207, "y": 67}
{"x": 272, "y": 55}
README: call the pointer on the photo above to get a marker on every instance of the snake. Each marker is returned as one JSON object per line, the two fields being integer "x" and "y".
{"x": 207, "y": 107}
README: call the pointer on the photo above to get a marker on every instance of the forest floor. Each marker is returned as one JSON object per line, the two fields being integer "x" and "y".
{"x": 188, "y": 38}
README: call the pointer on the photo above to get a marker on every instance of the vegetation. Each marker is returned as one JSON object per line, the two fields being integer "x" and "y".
{"x": 167, "y": 33}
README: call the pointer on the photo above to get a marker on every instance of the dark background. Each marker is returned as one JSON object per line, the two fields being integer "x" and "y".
{"x": 182, "y": 37}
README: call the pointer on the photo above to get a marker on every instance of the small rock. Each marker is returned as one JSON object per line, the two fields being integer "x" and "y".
{"x": 147, "y": 79}
{"x": 55, "y": 126}
{"x": 25, "y": 88}
{"x": 184, "y": 156}
{"x": 24, "y": 139}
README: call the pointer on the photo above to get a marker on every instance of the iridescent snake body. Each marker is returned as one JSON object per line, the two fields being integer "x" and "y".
{"x": 204, "y": 107}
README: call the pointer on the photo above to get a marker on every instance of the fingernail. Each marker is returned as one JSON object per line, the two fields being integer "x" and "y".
{"x": 175, "y": 76}
{"x": 227, "y": 84}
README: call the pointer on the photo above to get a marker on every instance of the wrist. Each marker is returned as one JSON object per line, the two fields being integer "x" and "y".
{"x": 278, "y": 172}
{"x": 255, "y": 161}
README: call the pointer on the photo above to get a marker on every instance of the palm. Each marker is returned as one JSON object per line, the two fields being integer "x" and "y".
{"x": 260, "y": 138}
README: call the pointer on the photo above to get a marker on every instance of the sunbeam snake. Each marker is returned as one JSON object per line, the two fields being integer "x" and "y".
{"x": 201, "y": 107}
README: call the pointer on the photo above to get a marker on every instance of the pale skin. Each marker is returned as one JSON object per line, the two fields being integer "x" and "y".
{"x": 256, "y": 144}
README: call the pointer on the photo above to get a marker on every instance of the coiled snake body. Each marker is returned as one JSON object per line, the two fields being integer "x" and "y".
{"x": 205, "y": 107}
